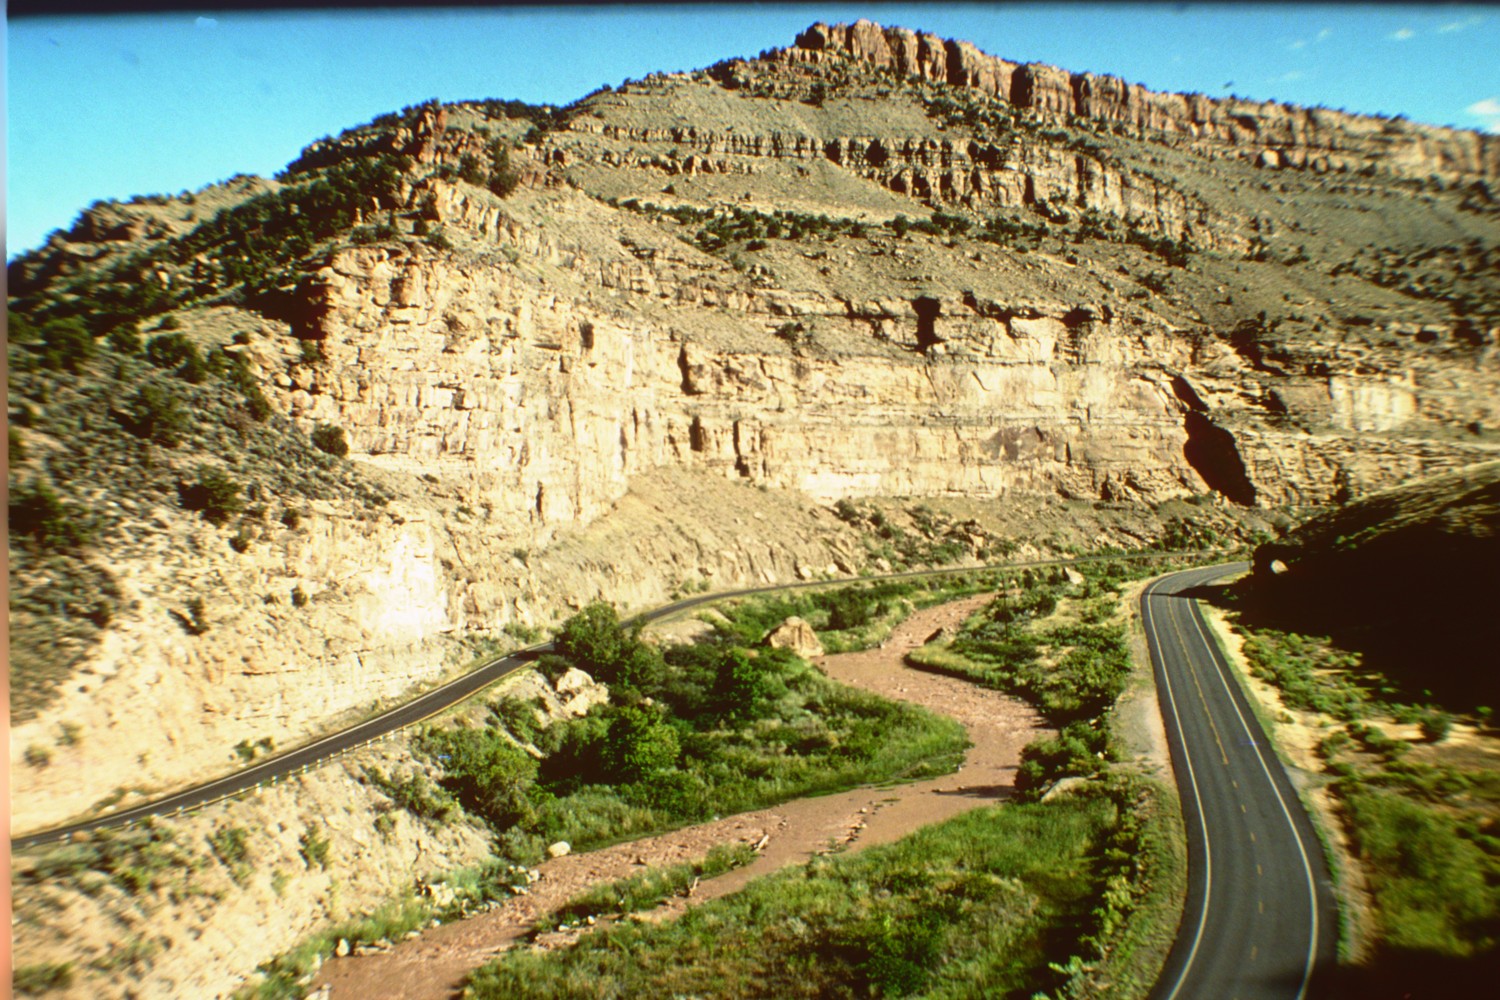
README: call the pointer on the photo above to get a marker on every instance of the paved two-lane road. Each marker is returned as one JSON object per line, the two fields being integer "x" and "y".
{"x": 435, "y": 701}
{"x": 1260, "y": 922}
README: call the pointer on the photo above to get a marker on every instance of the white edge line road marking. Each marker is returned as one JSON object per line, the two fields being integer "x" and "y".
{"x": 1260, "y": 756}
{"x": 1197, "y": 796}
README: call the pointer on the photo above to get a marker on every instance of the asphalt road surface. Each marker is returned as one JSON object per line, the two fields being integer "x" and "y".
{"x": 1260, "y": 921}
{"x": 438, "y": 699}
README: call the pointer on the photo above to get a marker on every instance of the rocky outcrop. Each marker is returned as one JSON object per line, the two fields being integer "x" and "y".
{"x": 796, "y": 635}
{"x": 1281, "y": 134}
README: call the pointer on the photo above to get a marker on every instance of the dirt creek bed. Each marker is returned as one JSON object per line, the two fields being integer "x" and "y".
{"x": 433, "y": 965}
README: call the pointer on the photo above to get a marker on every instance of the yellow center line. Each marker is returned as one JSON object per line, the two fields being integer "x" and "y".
{"x": 1193, "y": 672}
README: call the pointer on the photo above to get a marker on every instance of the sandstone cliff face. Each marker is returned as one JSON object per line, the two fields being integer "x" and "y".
{"x": 550, "y": 401}
{"x": 1314, "y": 138}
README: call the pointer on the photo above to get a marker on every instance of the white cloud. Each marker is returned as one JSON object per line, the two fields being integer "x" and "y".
{"x": 1325, "y": 34}
{"x": 206, "y": 22}
{"x": 1300, "y": 43}
{"x": 1488, "y": 111}
{"x": 1291, "y": 76}
{"x": 1472, "y": 21}
{"x": 1402, "y": 35}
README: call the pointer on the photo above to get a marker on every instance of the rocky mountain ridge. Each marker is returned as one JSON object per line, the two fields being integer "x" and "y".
{"x": 1272, "y": 134}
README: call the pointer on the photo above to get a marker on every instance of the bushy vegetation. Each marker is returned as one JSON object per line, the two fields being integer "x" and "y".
{"x": 142, "y": 859}
{"x": 42, "y": 977}
{"x": 719, "y": 229}
{"x": 330, "y": 440}
{"x": 40, "y": 516}
{"x": 213, "y": 494}
{"x": 689, "y": 732}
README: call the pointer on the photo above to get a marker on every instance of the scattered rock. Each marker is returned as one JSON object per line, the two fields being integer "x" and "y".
{"x": 1063, "y": 787}
{"x": 796, "y": 635}
{"x": 559, "y": 849}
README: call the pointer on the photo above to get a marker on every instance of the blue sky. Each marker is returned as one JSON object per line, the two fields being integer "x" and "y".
{"x": 109, "y": 107}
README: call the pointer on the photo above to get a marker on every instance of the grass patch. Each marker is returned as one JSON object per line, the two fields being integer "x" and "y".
{"x": 647, "y": 889}
{"x": 283, "y": 974}
{"x": 969, "y": 907}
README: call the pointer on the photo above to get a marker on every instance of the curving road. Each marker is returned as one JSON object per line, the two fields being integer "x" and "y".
{"x": 435, "y": 701}
{"x": 1260, "y": 922}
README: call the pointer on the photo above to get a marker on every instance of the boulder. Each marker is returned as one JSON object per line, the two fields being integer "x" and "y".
{"x": 559, "y": 849}
{"x": 796, "y": 635}
{"x": 1073, "y": 576}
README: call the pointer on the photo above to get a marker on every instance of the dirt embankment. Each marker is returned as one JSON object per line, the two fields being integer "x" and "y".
{"x": 434, "y": 964}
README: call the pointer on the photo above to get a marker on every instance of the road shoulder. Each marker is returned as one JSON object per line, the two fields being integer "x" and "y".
{"x": 1294, "y": 736}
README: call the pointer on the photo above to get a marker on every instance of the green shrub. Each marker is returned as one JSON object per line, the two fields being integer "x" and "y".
{"x": 19, "y": 329}
{"x": 214, "y": 494}
{"x": 639, "y": 744}
{"x": 125, "y": 339}
{"x": 601, "y": 645}
{"x": 230, "y": 845}
{"x": 503, "y": 179}
{"x": 1437, "y": 890}
{"x": 43, "y": 977}
{"x": 1436, "y": 725}
{"x": 155, "y": 414}
{"x": 314, "y": 847}
{"x": 38, "y": 513}
{"x": 66, "y": 345}
{"x": 489, "y": 774}
{"x": 168, "y": 350}
{"x": 417, "y": 795}
{"x": 330, "y": 439}
{"x": 38, "y": 756}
